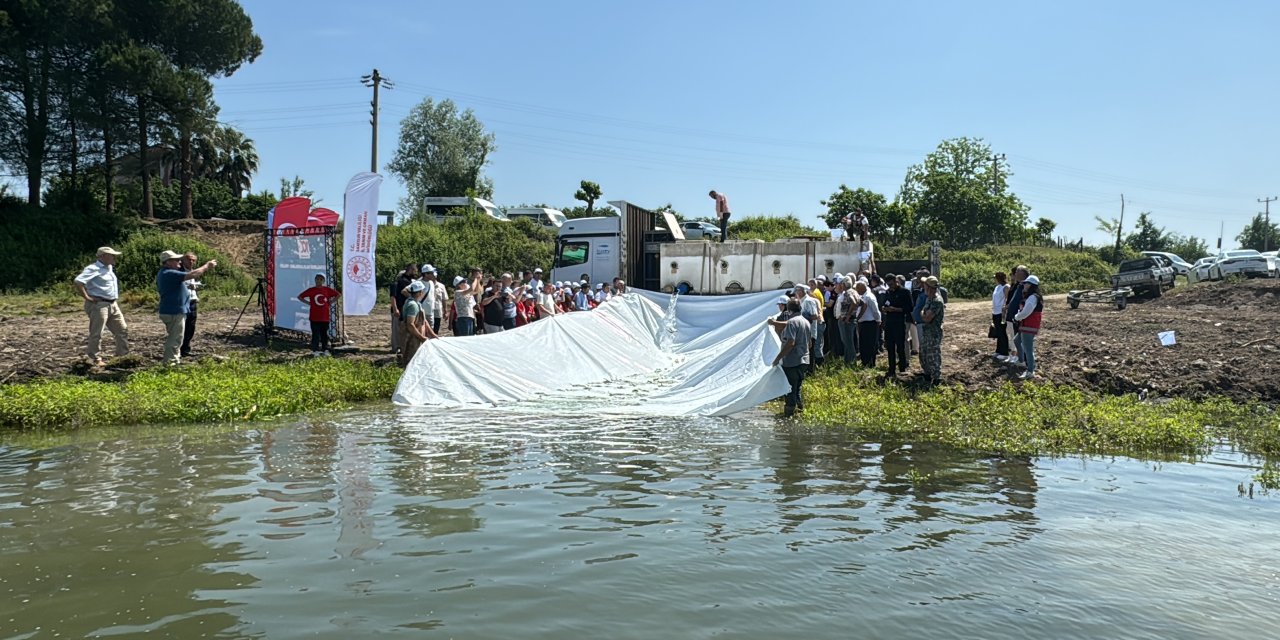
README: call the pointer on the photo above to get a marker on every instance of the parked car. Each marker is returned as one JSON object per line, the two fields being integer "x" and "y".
{"x": 1203, "y": 269}
{"x": 1242, "y": 262}
{"x": 1149, "y": 275}
{"x": 700, "y": 230}
{"x": 1273, "y": 263}
{"x": 1180, "y": 266}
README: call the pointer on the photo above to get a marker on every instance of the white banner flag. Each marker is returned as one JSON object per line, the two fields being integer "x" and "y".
{"x": 359, "y": 238}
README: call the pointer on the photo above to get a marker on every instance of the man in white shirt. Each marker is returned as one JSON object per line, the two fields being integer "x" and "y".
{"x": 602, "y": 293}
{"x": 546, "y": 302}
{"x": 433, "y": 303}
{"x": 98, "y": 286}
{"x": 535, "y": 283}
{"x": 581, "y": 296}
{"x": 868, "y": 317}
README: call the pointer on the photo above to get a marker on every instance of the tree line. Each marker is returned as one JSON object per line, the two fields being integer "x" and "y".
{"x": 92, "y": 91}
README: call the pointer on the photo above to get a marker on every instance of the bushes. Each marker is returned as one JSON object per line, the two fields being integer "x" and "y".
{"x": 770, "y": 228}
{"x": 462, "y": 242}
{"x": 234, "y": 391}
{"x": 968, "y": 274}
{"x": 140, "y": 262}
{"x": 43, "y": 246}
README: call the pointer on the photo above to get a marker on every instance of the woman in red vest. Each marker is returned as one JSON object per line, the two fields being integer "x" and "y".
{"x": 1029, "y": 318}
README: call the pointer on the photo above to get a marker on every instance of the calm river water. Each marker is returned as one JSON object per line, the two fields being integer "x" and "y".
{"x": 470, "y": 525}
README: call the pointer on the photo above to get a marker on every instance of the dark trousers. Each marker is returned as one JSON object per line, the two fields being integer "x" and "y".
{"x": 895, "y": 342}
{"x": 190, "y": 330}
{"x": 724, "y": 227}
{"x": 832, "y": 343}
{"x": 795, "y": 376}
{"x": 319, "y": 336}
{"x": 435, "y": 325}
{"x": 868, "y": 343}
{"x": 1002, "y": 334}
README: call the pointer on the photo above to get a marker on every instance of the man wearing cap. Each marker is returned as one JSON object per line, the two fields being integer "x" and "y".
{"x": 98, "y": 286}
{"x": 464, "y": 305}
{"x": 535, "y": 283}
{"x": 435, "y": 297}
{"x": 403, "y": 279}
{"x": 171, "y": 283}
{"x": 794, "y": 356}
{"x": 819, "y": 322}
{"x": 416, "y": 330}
{"x": 619, "y": 287}
{"x": 492, "y": 305}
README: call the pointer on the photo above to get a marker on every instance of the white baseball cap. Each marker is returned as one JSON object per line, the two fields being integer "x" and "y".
{"x": 537, "y": 270}
{"x": 427, "y": 268}
{"x": 457, "y": 279}
{"x": 782, "y": 299}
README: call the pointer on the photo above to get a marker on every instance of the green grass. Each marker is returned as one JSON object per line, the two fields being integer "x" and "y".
{"x": 969, "y": 274}
{"x": 1038, "y": 418}
{"x": 237, "y": 390}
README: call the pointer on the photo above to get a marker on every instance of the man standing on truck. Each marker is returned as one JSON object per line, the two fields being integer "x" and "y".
{"x": 722, "y": 213}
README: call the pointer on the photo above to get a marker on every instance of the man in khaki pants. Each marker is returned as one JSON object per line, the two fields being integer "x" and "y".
{"x": 175, "y": 300}
{"x": 98, "y": 286}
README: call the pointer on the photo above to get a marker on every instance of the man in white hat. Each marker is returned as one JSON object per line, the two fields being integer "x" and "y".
{"x": 535, "y": 283}
{"x": 416, "y": 330}
{"x": 546, "y": 302}
{"x": 171, "y": 283}
{"x": 582, "y": 296}
{"x": 98, "y": 286}
{"x": 436, "y": 294}
{"x": 464, "y": 307}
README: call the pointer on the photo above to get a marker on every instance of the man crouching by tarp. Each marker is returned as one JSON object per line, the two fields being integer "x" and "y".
{"x": 414, "y": 326}
{"x": 794, "y": 356}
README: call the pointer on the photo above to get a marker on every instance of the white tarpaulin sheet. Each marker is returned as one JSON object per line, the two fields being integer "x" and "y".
{"x": 641, "y": 354}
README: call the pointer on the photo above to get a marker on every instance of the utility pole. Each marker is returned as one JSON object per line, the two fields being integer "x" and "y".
{"x": 1119, "y": 227}
{"x": 1266, "y": 229}
{"x": 995, "y": 172}
{"x": 376, "y": 81}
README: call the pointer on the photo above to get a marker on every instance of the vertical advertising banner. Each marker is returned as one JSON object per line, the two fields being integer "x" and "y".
{"x": 359, "y": 238}
{"x": 298, "y": 258}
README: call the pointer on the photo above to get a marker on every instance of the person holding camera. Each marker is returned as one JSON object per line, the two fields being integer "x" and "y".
{"x": 193, "y": 288}
{"x": 494, "y": 305}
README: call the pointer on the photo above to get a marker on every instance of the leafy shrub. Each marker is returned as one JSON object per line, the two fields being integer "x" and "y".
{"x": 969, "y": 274}
{"x": 770, "y": 228}
{"x": 43, "y": 246}
{"x": 463, "y": 242}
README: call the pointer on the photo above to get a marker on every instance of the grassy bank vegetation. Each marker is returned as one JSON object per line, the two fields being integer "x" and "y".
{"x": 968, "y": 274}
{"x": 1037, "y": 418}
{"x": 233, "y": 391}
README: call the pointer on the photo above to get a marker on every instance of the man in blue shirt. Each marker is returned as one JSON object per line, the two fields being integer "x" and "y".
{"x": 171, "y": 283}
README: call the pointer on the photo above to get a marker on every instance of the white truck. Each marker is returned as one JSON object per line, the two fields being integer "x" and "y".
{"x": 636, "y": 248}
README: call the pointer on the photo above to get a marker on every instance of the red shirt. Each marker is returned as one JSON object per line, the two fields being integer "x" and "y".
{"x": 320, "y": 299}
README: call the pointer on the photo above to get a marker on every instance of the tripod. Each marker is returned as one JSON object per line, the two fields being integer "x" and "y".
{"x": 259, "y": 293}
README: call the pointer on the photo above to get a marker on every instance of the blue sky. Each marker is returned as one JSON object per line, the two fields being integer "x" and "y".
{"x": 776, "y": 104}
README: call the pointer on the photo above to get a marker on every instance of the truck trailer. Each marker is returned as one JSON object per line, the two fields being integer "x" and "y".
{"x": 648, "y": 250}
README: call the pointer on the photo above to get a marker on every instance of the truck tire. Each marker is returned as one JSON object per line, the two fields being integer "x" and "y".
{"x": 1074, "y": 303}
{"x": 1121, "y": 302}
{"x": 1156, "y": 291}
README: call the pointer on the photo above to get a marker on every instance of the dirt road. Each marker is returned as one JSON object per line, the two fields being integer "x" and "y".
{"x": 1228, "y": 343}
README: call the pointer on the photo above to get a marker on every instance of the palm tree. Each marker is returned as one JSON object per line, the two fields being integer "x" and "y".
{"x": 239, "y": 160}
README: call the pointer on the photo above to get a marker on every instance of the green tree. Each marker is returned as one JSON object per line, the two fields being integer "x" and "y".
{"x": 1259, "y": 235}
{"x": 574, "y": 213}
{"x": 442, "y": 153}
{"x": 235, "y": 159}
{"x": 1146, "y": 236}
{"x": 1189, "y": 248}
{"x": 960, "y": 197}
{"x": 1042, "y": 233}
{"x": 297, "y": 188}
{"x": 588, "y": 192}
{"x": 846, "y": 201}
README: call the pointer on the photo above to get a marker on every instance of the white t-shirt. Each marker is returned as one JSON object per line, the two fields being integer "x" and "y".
{"x": 547, "y": 304}
{"x": 843, "y": 302}
{"x": 870, "y": 311}
{"x": 997, "y": 299}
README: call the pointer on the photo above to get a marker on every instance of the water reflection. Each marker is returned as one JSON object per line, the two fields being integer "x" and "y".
{"x": 490, "y": 525}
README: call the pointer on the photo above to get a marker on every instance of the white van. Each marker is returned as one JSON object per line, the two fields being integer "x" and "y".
{"x": 549, "y": 218}
{"x": 439, "y": 208}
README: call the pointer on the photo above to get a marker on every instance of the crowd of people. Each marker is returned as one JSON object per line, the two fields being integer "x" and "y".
{"x": 854, "y": 317}
{"x": 858, "y": 316}
{"x": 481, "y": 303}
